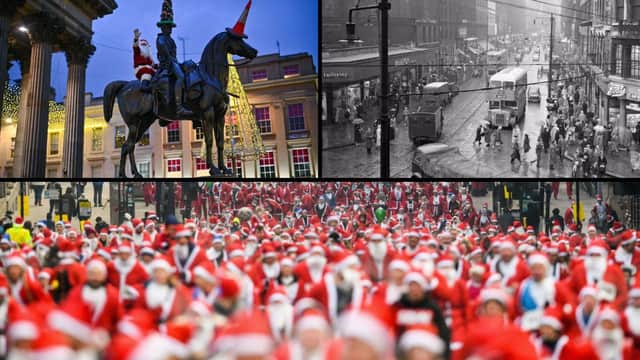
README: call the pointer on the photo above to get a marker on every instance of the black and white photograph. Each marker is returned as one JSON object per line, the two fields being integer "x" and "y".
{"x": 478, "y": 88}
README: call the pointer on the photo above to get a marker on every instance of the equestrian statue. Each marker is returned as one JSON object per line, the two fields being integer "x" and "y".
{"x": 171, "y": 91}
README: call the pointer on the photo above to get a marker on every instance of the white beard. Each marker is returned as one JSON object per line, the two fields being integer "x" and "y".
{"x": 94, "y": 297}
{"x": 622, "y": 256}
{"x": 595, "y": 267}
{"x": 145, "y": 51}
{"x": 212, "y": 253}
{"x": 41, "y": 253}
{"x": 271, "y": 271}
{"x": 250, "y": 249}
{"x": 633, "y": 315}
{"x": 393, "y": 293}
{"x": 156, "y": 294}
{"x": 450, "y": 275}
{"x": 280, "y": 320}
{"x": 124, "y": 266}
{"x": 608, "y": 343}
{"x": 182, "y": 251}
{"x": 377, "y": 250}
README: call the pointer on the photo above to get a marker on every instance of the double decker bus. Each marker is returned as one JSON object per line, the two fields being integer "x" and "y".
{"x": 496, "y": 61}
{"x": 507, "y": 96}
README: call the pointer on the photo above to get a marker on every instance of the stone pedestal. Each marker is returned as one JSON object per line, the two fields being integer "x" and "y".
{"x": 78, "y": 52}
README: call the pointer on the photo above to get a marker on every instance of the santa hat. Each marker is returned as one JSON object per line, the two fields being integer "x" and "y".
{"x": 228, "y": 288}
{"x": 137, "y": 323}
{"x": 15, "y": 259}
{"x": 609, "y": 313}
{"x": 137, "y": 223}
{"x": 507, "y": 243}
{"x": 417, "y": 277}
{"x": 161, "y": 263}
{"x": 183, "y": 231}
{"x": 422, "y": 336}
{"x": 52, "y": 345}
{"x": 627, "y": 237}
{"x": 552, "y": 317}
{"x": 399, "y": 264}
{"x": 206, "y": 271}
{"x": 445, "y": 260}
{"x": 344, "y": 259}
{"x": 190, "y": 224}
{"x": 181, "y": 331}
{"x": 125, "y": 246}
{"x": 598, "y": 247}
{"x": 18, "y": 220}
{"x": 287, "y": 261}
{"x": 268, "y": 250}
{"x": 247, "y": 334}
{"x": 368, "y": 326}
{"x": 312, "y": 319}
{"x": 97, "y": 265}
{"x": 494, "y": 294}
{"x": 538, "y": 258}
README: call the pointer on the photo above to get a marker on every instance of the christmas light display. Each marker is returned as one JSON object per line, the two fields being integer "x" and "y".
{"x": 11, "y": 105}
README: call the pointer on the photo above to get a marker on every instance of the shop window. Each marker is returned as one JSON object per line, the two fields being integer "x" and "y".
{"x": 268, "y": 165}
{"x": 173, "y": 132}
{"x": 301, "y": 162}
{"x": 54, "y": 144}
{"x": 144, "y": 168}
{"x": 263, "y": 119}
{"x": 635, "y": 62}
{"x": 120, "y": 136}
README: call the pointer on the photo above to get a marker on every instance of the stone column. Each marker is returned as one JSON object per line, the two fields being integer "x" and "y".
{"x": 7, "y": 10}
{"x": 78, "y": 52}
{"x": 24, "y": 61}
{"x": 43, "y": 29}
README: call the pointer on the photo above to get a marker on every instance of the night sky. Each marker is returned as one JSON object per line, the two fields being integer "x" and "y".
{"x": 294, "y": 23}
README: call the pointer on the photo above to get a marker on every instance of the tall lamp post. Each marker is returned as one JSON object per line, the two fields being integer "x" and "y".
{"x": 384, "y": 6}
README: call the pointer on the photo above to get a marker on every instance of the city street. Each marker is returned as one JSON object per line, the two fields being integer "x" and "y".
{"x": 462, "y": 118}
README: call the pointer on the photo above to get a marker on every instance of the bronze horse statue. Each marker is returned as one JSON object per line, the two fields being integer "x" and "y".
{"x": 139, "y": 109}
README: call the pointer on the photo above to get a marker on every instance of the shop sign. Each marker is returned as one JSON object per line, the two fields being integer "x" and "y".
{"x": 404, "y": 61}
{"x": 616, "y": 90}
{"x": 633, "y": 106}
{"x": 336, "y": 75}
{"x": 633, "y": 94}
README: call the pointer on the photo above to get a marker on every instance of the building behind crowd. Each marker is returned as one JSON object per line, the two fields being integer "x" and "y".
{"x": 281, "y": 88}
{"x": 609, "y": 42}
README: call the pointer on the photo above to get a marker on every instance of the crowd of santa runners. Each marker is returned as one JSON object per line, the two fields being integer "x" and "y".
{"x": 343, "y": 271}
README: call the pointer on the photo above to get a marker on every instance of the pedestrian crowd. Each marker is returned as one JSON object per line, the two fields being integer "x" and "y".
{"x": 322, "y": 271}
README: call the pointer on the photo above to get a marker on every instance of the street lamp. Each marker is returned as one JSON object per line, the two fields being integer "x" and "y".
{"x": 384, "y": 6}
{"x": 23, "y": 29}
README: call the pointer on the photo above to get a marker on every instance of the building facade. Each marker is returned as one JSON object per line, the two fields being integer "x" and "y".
{"x": 282, "y": 91}
{"x": 610, "y": 45}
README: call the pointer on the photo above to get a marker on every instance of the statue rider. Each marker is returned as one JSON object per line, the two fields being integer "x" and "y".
{"x": 169, "y": 65}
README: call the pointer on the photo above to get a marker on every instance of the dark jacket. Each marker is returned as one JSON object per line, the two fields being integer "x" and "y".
{"x": 429, "y": 305}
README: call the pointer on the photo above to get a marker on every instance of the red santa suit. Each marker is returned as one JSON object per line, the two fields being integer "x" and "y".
{"x": 185, "y": 266}
{"x": 397, "y": 200}
{"x": 164, "y": 301}
{"x": 376, "y": 269}
{"x": 142, "y": 61}
{"x": 106, "y": 308}
{"x": 326, "y": 293}
{"x": 307, "y": 275}
{"x": 128, "y": 278}
{"x": 513, "y": 272}
{"x": 622, "y": 256}
{"x": 605, "y": 276}
{"x": 26, "y": 290}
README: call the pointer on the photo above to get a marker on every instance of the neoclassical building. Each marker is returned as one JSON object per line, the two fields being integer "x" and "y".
{"x": 281, "y": 89}
{"x": 30, "y": 32}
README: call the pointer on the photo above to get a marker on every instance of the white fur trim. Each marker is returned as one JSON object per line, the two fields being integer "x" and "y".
{"x": 251, "y": 344}
{"x": 312, "y": 322}
{"x": 399, "y": 265}
{"x": 159, "y": 346}
{"x": 61, "y": 321}
{"x": 236, "y": 253}
{"x": 130, "y": 329}
{"x": 597, "y": 250}
{"x": 421, "y": 339}
{"x": 634, "y": 292}
{"x": 416, "y": 277}
{"x": 588, "y": 291}
{"x": 551, "y": 321}
{"x": 15, "y": 260}
{"x": 161, "y": 264}
{"x": 538, "y": 259}
{"x": 21, "y": 330}
{"x": 184, "y": 233}
{"x": 278, "y": 297}
{"x": 444, "y": 263}
{"x": 54, "y": 353}
{"x": 203, "y": 273}
{"x": 365, "y": 327}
